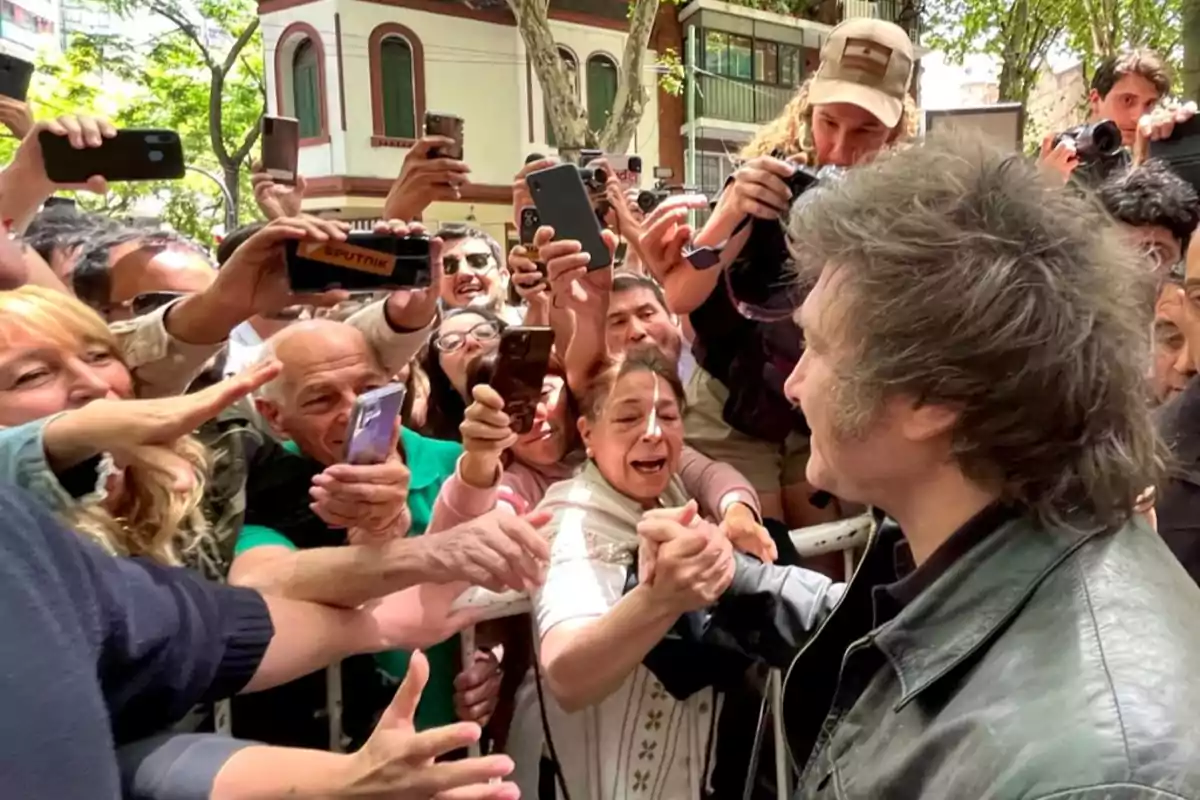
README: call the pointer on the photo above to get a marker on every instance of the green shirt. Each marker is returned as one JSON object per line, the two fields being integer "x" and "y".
{"x": 430, "y": 462}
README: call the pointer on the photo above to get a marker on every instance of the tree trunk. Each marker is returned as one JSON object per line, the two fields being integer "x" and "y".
{"x": 564, "y": 112}
{"x": 630, "y": 101}
{"x": 233, "y": 175}
{"x": 1191, "y": 50}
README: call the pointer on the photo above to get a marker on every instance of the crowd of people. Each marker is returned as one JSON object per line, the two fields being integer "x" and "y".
{"x": 991, "y": 357}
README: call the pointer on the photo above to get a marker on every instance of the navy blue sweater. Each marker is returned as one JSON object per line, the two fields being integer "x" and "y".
{"x": 97, "y": 651}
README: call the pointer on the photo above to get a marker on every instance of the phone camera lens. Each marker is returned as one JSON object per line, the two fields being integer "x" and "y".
{"x": 155, "y": 155}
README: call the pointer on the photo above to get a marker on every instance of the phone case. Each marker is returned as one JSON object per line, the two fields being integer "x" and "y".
{"x": 447, "y": 125}
{"x": 15, "y": 76}
{"x": 563, "y": 204}
{"x": 372, "y": 422}
{"x": 521, "y": 364}
{"x": 366, "y": 261}
{"x": 131, "y": 155}
{"x": 281, "y": 148}
{"x": 1181, "y": 152}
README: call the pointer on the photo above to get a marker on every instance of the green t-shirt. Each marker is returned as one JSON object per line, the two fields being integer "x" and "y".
{"x": 430, "y": 463}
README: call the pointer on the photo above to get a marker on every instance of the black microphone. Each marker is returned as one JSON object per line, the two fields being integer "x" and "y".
{"x": 532, "y": 157}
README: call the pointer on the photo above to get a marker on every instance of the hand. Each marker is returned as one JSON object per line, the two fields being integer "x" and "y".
{"x": 693, "y": 563}
{"x": 424, "y": 180}
{"x": 665, "y": 234}
{"x": 414, "y": 309}
{"x": 497, "y": 551}
{"x": 15, "y": 115}
{"x": 744, "y": 532}
{"x": 758, "y": 189}
{"x": 140, "y": 432}
{"x": 82, "y": 132}
{"x": 398, "y": 763}
{"x": 1060, "y": 159}
{"x": 571, "y": 284}
{"x": 521, "y": 196}
{"x": 254, "y": 281}
{"x": 276, "y": 200}
{"x": 477, "y": 688}
{"x": 370, "y": 500}
{"x": 530, "y": 284}
{"x": 486, "y": 429}
{"x": 1158, "y": 126}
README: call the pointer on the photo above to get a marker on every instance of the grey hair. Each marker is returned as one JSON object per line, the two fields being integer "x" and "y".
{"x": 965, "y": 280}
{"x": 272, "y": 389}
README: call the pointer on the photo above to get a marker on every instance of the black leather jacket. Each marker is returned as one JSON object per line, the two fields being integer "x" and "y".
{"x": 1042, "y": 664}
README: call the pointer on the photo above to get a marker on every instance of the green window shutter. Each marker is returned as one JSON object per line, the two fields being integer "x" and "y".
{"x": 601, "y": 91}
{"x": 399, "y": 106}
{"x": 306, "y": 88}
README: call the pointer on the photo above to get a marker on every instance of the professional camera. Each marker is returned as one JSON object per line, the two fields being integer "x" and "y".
{"x": 628, "y": 168}
{"x": 1098, "y": 146}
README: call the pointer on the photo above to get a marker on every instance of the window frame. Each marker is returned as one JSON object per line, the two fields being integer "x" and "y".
{"x": 382, "y": 32}
{"x": 286, "y": 47}
{"x": 723, "y": 68}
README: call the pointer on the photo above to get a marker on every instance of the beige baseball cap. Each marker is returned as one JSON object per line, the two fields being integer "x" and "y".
{"x": 867, "y": 63}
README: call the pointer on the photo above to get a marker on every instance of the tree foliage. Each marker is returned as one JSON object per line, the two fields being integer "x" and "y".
{"x": 198, "y": 71}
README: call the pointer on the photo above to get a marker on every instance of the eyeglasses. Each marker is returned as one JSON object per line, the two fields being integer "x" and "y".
{"x": 146, "y": 302}
{"x": 479, "y": 262}
{"x": 483, "y": 332}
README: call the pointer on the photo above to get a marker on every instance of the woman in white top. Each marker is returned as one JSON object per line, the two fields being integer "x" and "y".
{"x": 616, "y": 732}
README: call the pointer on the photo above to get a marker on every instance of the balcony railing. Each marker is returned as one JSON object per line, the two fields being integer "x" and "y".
{"x": 902, "y": 12}
{"x": 739, "y": 101}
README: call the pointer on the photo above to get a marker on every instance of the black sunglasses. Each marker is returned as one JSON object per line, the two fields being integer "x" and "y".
{"x": 480, "y": 262}
{"x": 146, "y": 302}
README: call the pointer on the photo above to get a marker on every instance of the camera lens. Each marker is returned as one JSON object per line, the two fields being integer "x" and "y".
{"x": 601, "y": 175}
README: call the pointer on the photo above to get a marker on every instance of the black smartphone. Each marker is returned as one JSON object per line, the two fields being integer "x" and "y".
{"x": 281, "y": 148}
{"x": 131, "y": 155}
{"x": 530, "y": 222}
{"x": 521, "y": 363}
{"x": 366, "y": 261}
{"x": 15, "y": 76}
{"x": 1181, "y": 152}
{"x": 563, "y": 204}
{"x": 372, "y": 423}
{"x": 451, "y": 127}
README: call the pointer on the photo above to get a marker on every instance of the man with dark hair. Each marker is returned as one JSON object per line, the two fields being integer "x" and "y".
{"x": 1157, "y": 210}
{"x": 1126, "y": 89}
{"x": 472, "y": 270}
{"x": 974, "y": 370}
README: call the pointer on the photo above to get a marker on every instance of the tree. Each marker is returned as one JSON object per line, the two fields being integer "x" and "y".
{"x": 1098, "y": 29}
{"x": 1191, "y": 49}
{"x": 1018, "y": 34}
{"x": 565, "y": 112}
{"x": 202, "y": 76}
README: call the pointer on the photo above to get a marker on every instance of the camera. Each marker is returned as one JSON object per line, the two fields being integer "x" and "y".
{"x": 1098, "y": 146}
{"x": 595, "y": 176}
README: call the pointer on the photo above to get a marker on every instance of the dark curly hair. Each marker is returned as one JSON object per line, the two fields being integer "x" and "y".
{"x": 1153, "y": 195}
{"x": 446, "y": 405}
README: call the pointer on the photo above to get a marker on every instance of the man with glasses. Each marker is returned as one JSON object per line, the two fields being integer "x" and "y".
{"x": 472, "y": 271}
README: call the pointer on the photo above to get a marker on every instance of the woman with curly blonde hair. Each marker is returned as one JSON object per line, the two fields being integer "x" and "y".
{"x": 57, "y": 357}
{"x": 739, "y": 298}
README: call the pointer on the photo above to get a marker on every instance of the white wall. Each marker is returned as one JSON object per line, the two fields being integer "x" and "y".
{"x": 474, "y": 69}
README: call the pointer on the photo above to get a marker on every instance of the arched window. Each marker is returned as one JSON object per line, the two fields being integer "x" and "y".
{"x": 601, "y": 90}
{"x": 306, "y": 89}
{"x": 572, "y": 67}
{"x": 397, "y": 85}
{"x": 399, "y": 93}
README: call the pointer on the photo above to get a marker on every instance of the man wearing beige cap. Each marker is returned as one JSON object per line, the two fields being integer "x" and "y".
{"x": 851, "y": 109}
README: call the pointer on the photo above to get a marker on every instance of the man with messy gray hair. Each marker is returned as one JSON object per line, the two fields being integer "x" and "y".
{"x": 976, "y": 345}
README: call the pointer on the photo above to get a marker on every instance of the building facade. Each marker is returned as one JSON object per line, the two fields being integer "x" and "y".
{"x": 360, "y": 75}
{"x": 27, "y": 27}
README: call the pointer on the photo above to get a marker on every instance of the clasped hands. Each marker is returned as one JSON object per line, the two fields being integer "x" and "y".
{"x": 684, "y": 560}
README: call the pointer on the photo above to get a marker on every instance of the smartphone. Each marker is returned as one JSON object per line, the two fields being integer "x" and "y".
{"x": 131, "y": 155}
{"x": 530, "y": 222}
{"x": 451, "y": 127}
{"x": 281, "y": 148}
{"x": 372, "y": 423}
{"x": 15, "y": 76}
{"x": 563, "y": 204}
{"x": 365, "y": 262}
{"x": 1181, "y": 152}
{"x": 521, "y": 363}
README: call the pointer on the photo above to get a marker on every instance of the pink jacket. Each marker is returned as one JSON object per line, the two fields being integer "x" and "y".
{"x": 714, "y": 484}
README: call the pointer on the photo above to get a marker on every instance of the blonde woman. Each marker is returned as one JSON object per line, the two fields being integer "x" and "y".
{"x": 127, "y": 474}
{"x": 741, "y": 301}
